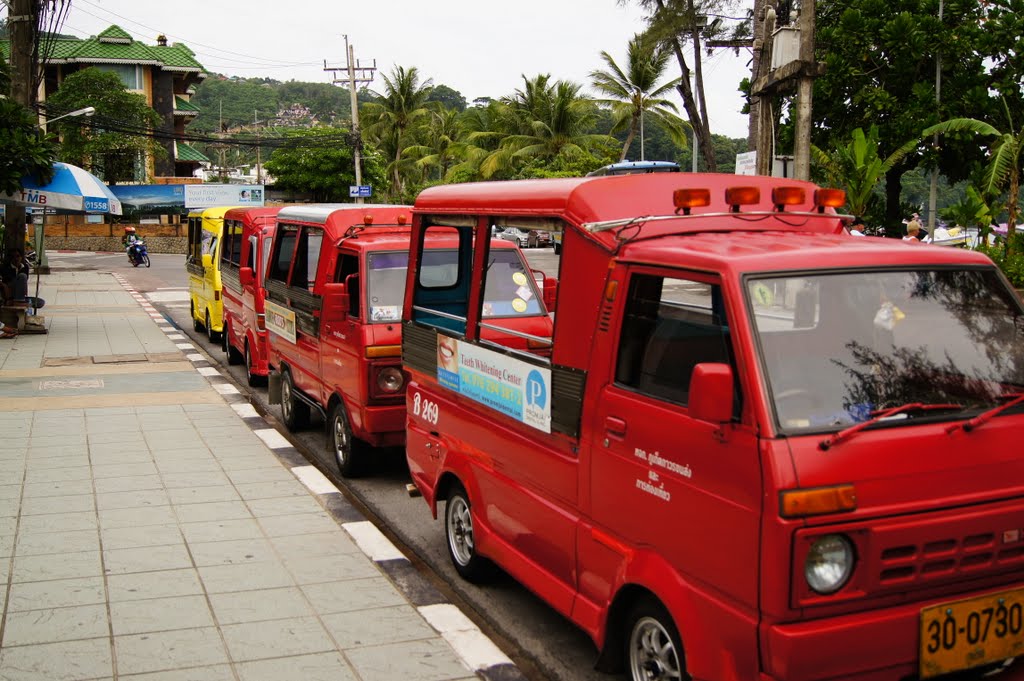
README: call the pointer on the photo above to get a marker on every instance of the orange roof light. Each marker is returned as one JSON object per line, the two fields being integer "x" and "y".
{"x": 401, "y": 218}
{"x": 685, "y": 199}
{"x": 788, "y": 196}
{"x": 829, "y": 198}
{"x": 367, "y": 219}
{"x": 742, "y": 196}
{"x": 799, "y": 503}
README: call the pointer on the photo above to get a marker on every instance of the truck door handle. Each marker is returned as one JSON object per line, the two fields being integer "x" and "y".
{"x": 615, "y": 426}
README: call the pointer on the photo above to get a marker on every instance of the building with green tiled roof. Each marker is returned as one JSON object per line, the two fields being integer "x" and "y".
{"x": 166, "y": 75}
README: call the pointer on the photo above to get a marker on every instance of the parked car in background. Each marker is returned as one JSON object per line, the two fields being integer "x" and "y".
{"x": 524, "y": 238}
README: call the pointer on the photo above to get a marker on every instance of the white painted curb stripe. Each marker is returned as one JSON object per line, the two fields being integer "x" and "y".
{"x": 272, "y": 438}
{"x": 195, "y": 357}
{"x": 245, "y": 410}
{"x": 184, "y": 346}
{"x": 475, "y": 649}
{"x": 225, "y": 388}
{"x": 208, "y": 371}
{"x": 313, "y": 479}
{"x": 372, "y": 541}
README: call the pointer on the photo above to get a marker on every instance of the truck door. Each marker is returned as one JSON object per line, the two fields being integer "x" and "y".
{"x": 662, "y": 481}
{"x": 340, "y": 340}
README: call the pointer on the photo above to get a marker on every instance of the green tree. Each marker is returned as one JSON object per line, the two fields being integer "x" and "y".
{"x": 439, "y": 149}
{"x": 389, "y": 119}
{"x": 112, "y": 142}
{"x": 858, "y": 168}
{"x": 1005, "y": 163}
{"x": 448, "y": 97}
{"x": 880, "y": 58}
{"x": 311, "y": 160}
{"x": 634, "y": 94}
{"x": 23, "y": 149}
{"x": 547, "y": 122}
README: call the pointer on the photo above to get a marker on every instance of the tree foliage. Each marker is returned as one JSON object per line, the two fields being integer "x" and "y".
{"x": 97, "y": 144}
{"x": 313, "y": 162}
{"x": 634, "y": 93}
{"x": 23, "y": 149}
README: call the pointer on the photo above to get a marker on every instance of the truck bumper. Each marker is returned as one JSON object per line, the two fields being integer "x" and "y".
{"x": 876, "y": 645}
{"x": 383, "y": 426}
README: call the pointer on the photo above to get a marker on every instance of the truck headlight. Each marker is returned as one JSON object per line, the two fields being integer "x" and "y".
{"x": 829, "y": 563}
{"x": 390, "y": 380}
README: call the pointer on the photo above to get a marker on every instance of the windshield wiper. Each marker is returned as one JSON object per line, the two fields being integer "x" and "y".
{"x": 984, "y": 417}
{"x": 881, "y": 415}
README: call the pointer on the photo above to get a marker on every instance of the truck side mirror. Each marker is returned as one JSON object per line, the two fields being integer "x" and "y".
{"x": 711, "y": 389}
{"x": 246, "y": 276}
{"x": 550, "y": 292}
{"x": 335, "y": 303}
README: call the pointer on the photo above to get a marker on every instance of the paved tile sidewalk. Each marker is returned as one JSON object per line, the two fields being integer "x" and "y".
{"x": 148, "y": 531}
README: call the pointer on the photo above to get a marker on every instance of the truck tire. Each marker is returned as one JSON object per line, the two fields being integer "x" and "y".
{"x": 458, "y": 526}
{"x": 653, "y": 648}
{"x": 211, "y": 335}
{"x": 234, "y": 356}
{"x": 252, "y": 379}
{"x": 348, "y": 453}
{"x": 294, "y": 412}
{"x": 197, "y": 325}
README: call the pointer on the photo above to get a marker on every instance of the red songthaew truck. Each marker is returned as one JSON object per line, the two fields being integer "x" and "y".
{"x": 759, "y": 448}
{"x": 335, "y": 284}
{"x": 245, "y": 246}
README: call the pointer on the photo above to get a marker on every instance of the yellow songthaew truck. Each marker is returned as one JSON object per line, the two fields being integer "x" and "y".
{"x": 205, "y": 232}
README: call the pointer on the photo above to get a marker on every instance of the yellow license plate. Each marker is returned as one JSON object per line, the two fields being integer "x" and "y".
{"x": 971, "y": 632}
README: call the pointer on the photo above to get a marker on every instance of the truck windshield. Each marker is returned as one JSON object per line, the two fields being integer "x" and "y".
{"x": 510, "y": 290}
{"x": 837, "y": 347}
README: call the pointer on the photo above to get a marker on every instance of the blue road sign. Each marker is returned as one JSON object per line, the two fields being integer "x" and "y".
{"x": 359, "y": 191}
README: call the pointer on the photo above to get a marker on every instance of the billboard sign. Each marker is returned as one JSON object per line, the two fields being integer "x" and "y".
{"x": 207, "y": 195}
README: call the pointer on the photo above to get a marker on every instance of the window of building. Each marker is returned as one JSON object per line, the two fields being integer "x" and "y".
{"x": 130, "y": 74}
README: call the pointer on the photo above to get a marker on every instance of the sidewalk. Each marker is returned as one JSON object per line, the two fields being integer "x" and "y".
{"x": 152, "y": 526}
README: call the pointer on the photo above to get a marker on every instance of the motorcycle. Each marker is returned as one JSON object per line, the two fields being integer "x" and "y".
{"x": 137, "y": 253}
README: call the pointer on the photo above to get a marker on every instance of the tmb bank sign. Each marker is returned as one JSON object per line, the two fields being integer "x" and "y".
{"x": 206, "y": 195}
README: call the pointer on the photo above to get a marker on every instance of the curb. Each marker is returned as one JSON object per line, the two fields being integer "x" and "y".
{"x": 476, "y": 650}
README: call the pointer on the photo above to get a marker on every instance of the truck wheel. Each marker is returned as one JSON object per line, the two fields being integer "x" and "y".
{"x": 347, "y": 450}
{"x": 458, "y": 525}
{"x": 196, "y": 324}
{"x": 234, "y": 356}
{"x": 653, "y": 649}
{"x": 558, "y": 248}
{"x": 253, "y": 379}
{"x": 294, "y": 412}
{"x": 211, "y": 335}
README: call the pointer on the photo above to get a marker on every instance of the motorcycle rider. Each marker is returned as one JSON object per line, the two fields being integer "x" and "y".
{"x": 129, "y": 239}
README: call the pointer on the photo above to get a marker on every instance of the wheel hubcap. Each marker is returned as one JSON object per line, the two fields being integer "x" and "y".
{"x": 341, "y": 443}
{"x": 460, "y": 530}
{"x": 286, "y": 399}
{"x": 248, "y": 363}
{"x": 652, "y": 655}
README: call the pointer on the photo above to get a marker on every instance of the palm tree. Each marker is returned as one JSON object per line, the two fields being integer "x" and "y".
{"x": 402, "y": 105}
{"x": 439, "y": 147}
{"x": 635, "y": 93}
{"x": 857, "y": 167}
{"x": 1005, "y": 165}
{"x": 546, "y": 122}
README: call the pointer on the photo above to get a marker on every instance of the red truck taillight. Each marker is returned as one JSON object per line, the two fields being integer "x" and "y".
{"x": 261, "y": 322}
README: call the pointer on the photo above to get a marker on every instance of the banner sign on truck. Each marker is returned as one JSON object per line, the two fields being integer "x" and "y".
{"x": 513, "y": 387}
{"x": 280, "y": 320}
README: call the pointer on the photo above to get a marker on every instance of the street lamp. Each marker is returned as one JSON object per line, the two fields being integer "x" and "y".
{"x": 85, "y": 111}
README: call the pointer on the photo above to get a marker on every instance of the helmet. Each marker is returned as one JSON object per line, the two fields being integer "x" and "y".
{"x": 129, "y": 229}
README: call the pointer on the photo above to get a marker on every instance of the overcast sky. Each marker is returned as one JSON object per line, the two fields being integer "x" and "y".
{"x": 480, "y": 48}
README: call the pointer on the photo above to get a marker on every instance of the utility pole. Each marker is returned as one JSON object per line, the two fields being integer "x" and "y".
{"x": 23, "y": 25}
{"x": 780, "y": 76}
{"x": 804, "y": 95}
{"x": 934, "y": 189}
{"x": 259, "y": 166}
{"x": 360, "y": 74}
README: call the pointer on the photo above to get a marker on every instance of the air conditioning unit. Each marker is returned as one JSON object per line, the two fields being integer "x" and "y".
{"x": 785, "y": 46}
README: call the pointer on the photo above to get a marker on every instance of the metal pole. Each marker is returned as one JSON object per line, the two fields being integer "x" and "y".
{"x": 259, "y": 167}
{"x": 356, "y": 156}
{"x": 934, "y": 189}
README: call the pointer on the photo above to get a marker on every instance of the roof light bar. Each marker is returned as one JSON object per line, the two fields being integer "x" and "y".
{"x": 829, "y": 198}
{"x": 368, "y": 219}
{"x": 686, "y": 199}
{"x": 788, "y": 196}
{"x": 742, "y": 196}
